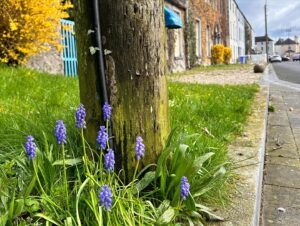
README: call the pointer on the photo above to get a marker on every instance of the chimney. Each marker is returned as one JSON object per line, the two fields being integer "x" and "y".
{"x": 296, "y": 39}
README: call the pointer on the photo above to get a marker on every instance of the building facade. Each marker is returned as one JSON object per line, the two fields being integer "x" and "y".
{"x": 176, "y": 42}
{"x": 260, "y": 45}
{"x": 210, "y": 19}
{"x": 215, "y": 22}
{"x": 287, "y": 47}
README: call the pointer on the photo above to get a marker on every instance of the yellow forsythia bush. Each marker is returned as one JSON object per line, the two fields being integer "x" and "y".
{"x": 227, "y": 55}
{"x": 217, "y": 54}
{"x": 28, "y": 27}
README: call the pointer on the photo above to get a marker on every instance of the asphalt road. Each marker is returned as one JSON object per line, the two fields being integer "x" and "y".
{"x": 288, "y": 71}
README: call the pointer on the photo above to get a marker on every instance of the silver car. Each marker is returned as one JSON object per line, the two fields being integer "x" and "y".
{"x": 275, "y": 58}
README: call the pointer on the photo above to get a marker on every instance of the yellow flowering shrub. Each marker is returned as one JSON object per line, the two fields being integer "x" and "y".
{"x": 28, "y": 27}
{"x": 227, "y": 55}
{"x": 217, "y": 54}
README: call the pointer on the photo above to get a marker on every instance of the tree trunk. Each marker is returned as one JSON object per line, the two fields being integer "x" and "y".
{"x": 133, "y": 30}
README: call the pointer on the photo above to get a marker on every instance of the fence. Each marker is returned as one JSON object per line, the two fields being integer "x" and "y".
{"x": 69, "y": 48}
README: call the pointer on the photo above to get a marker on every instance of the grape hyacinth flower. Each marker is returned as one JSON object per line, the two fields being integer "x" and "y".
{"x": 30, "y": 147}
{"x": 106, "y": 111}
{"x": 102, "y": 137}
{"x": 139, "y": 148}
{"x": 80, "y": 117}
{"x": 109, "y": 160}
{"x": 60, "y": 132}
{"x": 184, "y": 188}
{"x": 105, "y": 197}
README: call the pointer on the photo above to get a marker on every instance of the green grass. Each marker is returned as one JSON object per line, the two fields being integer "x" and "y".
{"x": 217, "y": 113}
{"x": 201, "y": 69}
{"x": 32, "y": 102}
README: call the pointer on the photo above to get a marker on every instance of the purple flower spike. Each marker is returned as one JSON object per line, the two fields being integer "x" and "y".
{"x": 102, "y": 137}
{"x": 184, "y": 188}
{"x": 105, "y": 197}
{"x": 106, "y": 111}
{"x": 109, "y": 160}
{"x": 139, "y": 148}
{"x": 61, "y": 132}
{"x": 80, "y": 117}
{"x": 30, "y": 147}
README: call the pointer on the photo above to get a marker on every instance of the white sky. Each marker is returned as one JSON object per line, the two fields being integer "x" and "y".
{"x": 283, "y": 15}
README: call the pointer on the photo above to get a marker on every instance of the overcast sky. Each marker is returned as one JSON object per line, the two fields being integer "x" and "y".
{"x": 283, "y": 15}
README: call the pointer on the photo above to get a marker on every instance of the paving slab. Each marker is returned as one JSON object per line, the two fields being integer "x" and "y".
{"x": 276, "y": 119}
{"x": 282, "y": 206}
{"x": 278, "y": 160}
{"x": 280, "y": 135}
{"x": 282, "y": 175}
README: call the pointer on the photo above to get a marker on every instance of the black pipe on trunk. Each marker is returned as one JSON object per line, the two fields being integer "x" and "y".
{"x": 100, "y": 61}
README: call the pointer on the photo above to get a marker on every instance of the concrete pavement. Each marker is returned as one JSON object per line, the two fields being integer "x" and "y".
{"x": 281, "y": 190}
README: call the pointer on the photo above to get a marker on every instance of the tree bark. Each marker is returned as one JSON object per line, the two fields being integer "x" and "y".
{"x": 133, "y": 30}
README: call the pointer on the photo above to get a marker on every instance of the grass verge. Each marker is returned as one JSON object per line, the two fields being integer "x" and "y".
{"x": 217, "y": 113}
{"x": 211, "y": 116}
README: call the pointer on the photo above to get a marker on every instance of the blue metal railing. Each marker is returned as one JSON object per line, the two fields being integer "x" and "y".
{"x": 69, "y": 47}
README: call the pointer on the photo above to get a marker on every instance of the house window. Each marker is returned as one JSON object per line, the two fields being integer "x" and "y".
{"x": 198, "y": 37}
{"x": 208, "y": 41}
{"x": 178, "y": 39}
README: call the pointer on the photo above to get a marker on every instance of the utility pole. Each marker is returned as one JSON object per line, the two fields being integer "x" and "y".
{"x": 266, "y": 28}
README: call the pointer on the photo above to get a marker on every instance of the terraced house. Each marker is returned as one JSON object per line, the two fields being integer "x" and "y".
{"x": 215, "y": 22}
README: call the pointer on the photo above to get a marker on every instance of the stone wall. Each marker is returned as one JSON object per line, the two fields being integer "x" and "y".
{"x": 50, "y": 62}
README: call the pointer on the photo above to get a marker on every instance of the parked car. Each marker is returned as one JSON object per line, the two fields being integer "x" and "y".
{"x": 275, "y": 58}
{"x": 285, "y": 58}
{"x": 296, "y": 57}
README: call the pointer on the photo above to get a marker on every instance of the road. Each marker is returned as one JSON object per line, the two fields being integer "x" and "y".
{"x": 288, "y": 71}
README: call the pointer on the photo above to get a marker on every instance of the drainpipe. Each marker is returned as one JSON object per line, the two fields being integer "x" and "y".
{"x": 100, "y": 62}
{"x": 99, "y": 52}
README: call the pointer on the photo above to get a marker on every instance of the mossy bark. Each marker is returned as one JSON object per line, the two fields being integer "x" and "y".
{"x": 137, "y": 88}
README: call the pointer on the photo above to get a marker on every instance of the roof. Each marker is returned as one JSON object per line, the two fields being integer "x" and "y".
{"x": 288, "y": 41}
{"x": 262, "y": 39}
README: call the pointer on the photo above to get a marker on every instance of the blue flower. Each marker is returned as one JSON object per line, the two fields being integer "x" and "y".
{"x": 102, "y": 137}
{"x": 80, "y": 117}
{"x": 105, "y": 197}
{"x": 109, "y": 160}
{"x": 30, "y": 147}
{"x": 60, "y": 132}
{"x": 184, "y": 188}
{"x": 106, "y": 111}
{"x": 139, "y": 148}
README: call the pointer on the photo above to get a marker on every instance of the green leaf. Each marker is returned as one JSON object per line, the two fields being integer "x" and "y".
{"x": 211, "y": 215}
{"x": 167, "y": 216}
{"x": 144, "y": 182}
{"x": 220, "y": 172}
{"x": 69, "y": 162}
{"x": 19, "y": 207}
{"x": 32, "y": 205}
{"x": 47, "y": 218}
{"x": 190, "y": 203}
{"x": 163, "y": 206}
{"x": 202, "y": 159}
{"x": 3, "y": 219}
{"x": 68, "y": 221}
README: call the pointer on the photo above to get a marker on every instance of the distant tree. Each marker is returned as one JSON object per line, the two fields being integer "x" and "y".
{"x": 29, "y": 27}
{"x": 133, "y": 31}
